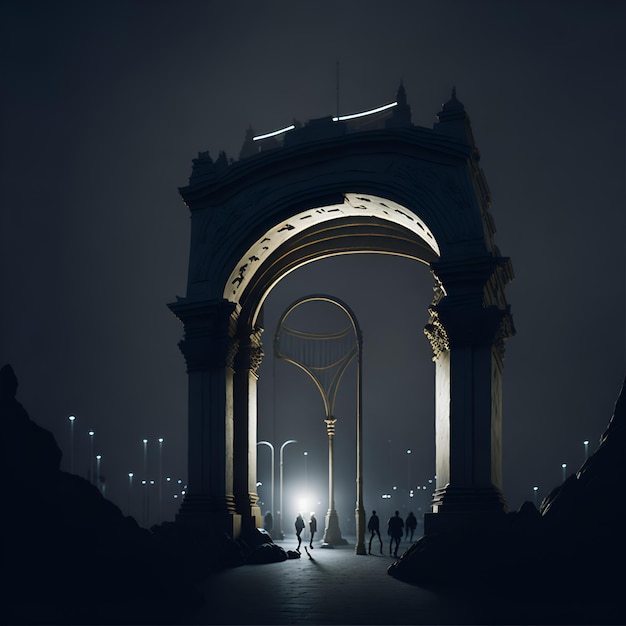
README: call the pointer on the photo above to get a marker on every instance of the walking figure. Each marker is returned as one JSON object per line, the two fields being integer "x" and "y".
{"x": 395, "y": 529}
{"x": 299, "y": 529}
{"x": 411, "y": 524}
{"x": 312, "y": 528}
{"x": 373, "y": 525}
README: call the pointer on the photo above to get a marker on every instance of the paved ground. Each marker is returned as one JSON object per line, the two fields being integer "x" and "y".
{"x": 336, "y": 586}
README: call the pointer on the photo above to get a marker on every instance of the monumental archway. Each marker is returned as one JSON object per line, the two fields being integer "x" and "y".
{"x": 373, "y": 183}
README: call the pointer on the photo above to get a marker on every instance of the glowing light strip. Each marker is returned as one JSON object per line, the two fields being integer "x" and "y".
{"x": 341, "y": 118}
{"x": 274, "y": 133}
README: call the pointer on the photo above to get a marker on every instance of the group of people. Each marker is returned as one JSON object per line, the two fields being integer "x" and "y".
{"x": 300, "y": 528}
{"x": 395, "y": 529}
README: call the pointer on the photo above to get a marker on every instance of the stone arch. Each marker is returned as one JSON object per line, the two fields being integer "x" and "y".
{"x": 333, "y": 189}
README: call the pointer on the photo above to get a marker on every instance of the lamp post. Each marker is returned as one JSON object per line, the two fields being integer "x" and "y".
{"x": 160, "y": 477}
{"x": 586, "y": 444}
{"x": 130, "y": 493}
{"x": 306, "y": 477}
{"x": 271, "y": 447}
{"x": 144, "y": 484}
{"x": 98, "y": 459}
{"x": 282, "y": 447}
{"x": 91, "y": 436}
{"x": 564, "y": 468}
{"x": 72, "y": 418}
{"x": 408, "y": 472}
{"x": 535, "y": 489}
{"x": 145, "y": 458}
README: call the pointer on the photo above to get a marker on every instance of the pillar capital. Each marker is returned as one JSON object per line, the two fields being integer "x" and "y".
{"x": 209, "y": 329}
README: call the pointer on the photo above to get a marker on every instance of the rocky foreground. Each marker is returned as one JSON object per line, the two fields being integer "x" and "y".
{"x": 70, "y": 556}
{"x": 575, "y": 543}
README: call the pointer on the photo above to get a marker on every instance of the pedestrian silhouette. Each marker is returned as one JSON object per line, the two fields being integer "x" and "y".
{"x": 299, "y": 529}
{"x": 312, "y": 528}
{"x": 411, "y": 525}
{"x": 373, "y": 525}
{"x": 395, "y": 529}
{"x": 268, "y": 522}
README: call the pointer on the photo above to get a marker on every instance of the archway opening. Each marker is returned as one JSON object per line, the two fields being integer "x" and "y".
{"x": 398, "y": 393}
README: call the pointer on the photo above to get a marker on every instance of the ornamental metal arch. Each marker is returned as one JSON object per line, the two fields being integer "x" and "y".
{"x": 335, "y": 186}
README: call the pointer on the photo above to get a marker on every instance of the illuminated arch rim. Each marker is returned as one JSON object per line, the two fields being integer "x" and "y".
{"x": 354, "y": 205}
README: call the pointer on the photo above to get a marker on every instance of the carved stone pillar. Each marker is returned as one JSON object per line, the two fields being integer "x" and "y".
{"x": 467, "y": 329}
{"x": 247, "y": 362}
{"x": 208, "y": 348}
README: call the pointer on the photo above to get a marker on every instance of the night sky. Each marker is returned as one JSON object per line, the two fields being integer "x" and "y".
{"x": 104, "y": 104}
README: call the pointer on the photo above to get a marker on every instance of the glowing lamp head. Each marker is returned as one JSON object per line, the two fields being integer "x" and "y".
{"x": 71, "y": 418}
{"x": 91, "y": 433}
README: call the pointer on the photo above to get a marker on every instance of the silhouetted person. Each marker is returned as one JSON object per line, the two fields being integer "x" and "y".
{"x": 395, "y": 529}
{"x": 373, "y": 525}
{"x": 299, "y": 529}
{"x": 411, "y": 524}
{"x": 268, "y": 522}
{"x": 312, "y": 528}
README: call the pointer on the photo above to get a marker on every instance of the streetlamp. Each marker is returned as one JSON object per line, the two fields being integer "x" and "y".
{"x": 130, "y": 493}
{"x": 145, "y": 502}
{"x": 98, "y": 458}
{"x": 91, "y": 435}
{"x": 586, "y": 444}
{"x": 271, "y": 447}
{"x": 535, "y": 490}
{"x": 408, "y": 469}
{"x": 563, "y": 467}
{"x": 145, "y": 458}
{"x": 306, "y": 477}
{"x": 160, "y": 479}
{"x": 282, "y": 447}
{"x": 72, "y": 418}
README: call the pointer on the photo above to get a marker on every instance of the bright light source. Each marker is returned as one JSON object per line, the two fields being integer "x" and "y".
{"x": 564, "y": 465}
{"x": 130, "y": 474}
{"x": 386, "y": 496}
{"x": 274, "y": 133}
{"x": 408, "y": 452}
{"x": 394, "y": 488}
{"x": 91, "y": 433}
{"x": 98, "y": 456}
{"x": 259, "y": 483}
{"x": 71, "y": 418}
{"x": 168, "y": 479}
{"x": 586, "y": 441}
{"x": 160, "y": 439}
{"x": 145, "y": 441}
{"x": 342, "y": 118}
{"x": 535, "y": 488}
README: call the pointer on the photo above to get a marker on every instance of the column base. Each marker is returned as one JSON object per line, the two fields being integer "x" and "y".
{"x": 203, "y": 511}
{"x": 465, "y": 508}
{"x": 332, "y": 534}
{"x": 359, "y": 514}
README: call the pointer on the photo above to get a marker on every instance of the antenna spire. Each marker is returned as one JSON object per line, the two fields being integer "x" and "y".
{"x": 337, "y": 88}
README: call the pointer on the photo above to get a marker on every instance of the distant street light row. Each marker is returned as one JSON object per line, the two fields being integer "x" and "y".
{"x": 97, "y": 479}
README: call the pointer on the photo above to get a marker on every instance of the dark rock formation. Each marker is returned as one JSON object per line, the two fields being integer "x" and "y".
{"x": 575, "y": 543}
{"x": 69, "y": 555}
